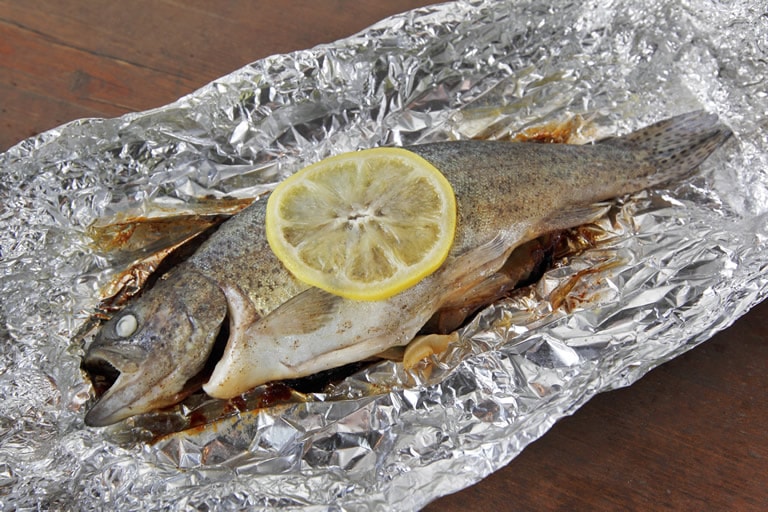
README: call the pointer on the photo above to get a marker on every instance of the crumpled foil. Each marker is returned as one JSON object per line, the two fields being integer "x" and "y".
{"x": 675, "y": 265}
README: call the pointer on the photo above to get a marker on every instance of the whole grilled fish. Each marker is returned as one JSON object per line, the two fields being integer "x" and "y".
{"x": 278, "y": 328}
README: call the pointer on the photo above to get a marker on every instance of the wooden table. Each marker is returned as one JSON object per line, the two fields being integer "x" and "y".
{"x": 688, "y": 436}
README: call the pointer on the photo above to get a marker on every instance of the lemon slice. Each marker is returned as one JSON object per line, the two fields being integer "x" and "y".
{"x": 363, "y": 225}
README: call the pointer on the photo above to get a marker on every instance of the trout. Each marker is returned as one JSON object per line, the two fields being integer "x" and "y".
{"x": 279, "y": 328}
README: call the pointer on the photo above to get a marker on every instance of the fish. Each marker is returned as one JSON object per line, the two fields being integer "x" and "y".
{"x": 508, "y": 194}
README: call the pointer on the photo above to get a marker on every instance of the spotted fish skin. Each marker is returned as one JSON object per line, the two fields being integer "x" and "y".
{"x": 507, "y": 194}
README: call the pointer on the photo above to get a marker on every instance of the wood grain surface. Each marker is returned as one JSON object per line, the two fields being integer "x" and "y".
{"x": 688, "y": 436}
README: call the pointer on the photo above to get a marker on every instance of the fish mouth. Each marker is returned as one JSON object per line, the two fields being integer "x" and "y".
{"x": 108, "y": 363}
{"x": 105, "y": 413}
{"x": 111, "y": 371}
{"x": 117, "y": 374}
{"x": 102, "y": 373}
{"x": 104, "y": 365}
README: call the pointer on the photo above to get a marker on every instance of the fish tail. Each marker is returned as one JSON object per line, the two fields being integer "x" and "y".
{"x": 676, "y": 146}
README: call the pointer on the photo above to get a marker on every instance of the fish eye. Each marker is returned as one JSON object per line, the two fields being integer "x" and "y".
{"x": 127, "y": 325}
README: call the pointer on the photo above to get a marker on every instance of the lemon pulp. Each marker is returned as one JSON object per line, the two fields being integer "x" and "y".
{"x": 364, "y": 225}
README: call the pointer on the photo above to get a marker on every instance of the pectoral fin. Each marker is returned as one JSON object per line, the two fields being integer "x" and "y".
{"x": 304, "y": 313}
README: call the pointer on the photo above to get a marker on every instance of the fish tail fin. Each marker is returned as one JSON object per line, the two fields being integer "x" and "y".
{"x": 676, "y": 146}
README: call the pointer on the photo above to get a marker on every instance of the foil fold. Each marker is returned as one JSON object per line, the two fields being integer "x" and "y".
{"x": 672, "y": 267}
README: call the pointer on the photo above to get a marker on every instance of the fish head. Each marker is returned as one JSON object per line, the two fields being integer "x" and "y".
{"x": 157, "y": 344}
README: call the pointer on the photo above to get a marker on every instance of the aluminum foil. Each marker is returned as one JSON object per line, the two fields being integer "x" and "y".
{"x": 674, "y": 266}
